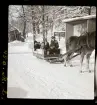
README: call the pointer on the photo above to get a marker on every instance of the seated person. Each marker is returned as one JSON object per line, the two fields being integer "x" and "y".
{"x": 36, "y": 45}
{"x": 54, "y": 46}
{"x": 46, "y": 47}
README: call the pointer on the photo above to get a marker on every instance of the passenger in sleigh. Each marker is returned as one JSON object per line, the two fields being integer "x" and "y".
{"x": 54, "y": 46}
{"x": 36, "y": 45}
{"x": 46, "y": 47}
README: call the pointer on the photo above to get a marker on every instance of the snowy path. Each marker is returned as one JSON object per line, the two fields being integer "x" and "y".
{"x": 43, "y": 80}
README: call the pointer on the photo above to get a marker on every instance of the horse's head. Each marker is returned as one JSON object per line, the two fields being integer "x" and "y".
{"x": 71, "y": 42}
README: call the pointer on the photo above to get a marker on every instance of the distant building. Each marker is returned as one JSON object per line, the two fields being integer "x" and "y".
{"x": 14, "y": 34}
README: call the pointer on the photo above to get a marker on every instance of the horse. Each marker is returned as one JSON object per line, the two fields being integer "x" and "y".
{"x": 86, "y": 45}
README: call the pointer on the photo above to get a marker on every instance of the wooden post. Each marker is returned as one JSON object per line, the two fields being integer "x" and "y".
{"x": 69, "y": 31}
{"x": 95, "y": 78}
{"x": 91, "y": 25}
{"x": 59, "y": 36}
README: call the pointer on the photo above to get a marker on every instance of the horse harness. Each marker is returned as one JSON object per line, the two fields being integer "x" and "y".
{"x": 87, "y": 42}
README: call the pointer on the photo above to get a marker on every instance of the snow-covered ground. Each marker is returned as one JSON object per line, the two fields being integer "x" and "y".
{"x": 30, "y": 77}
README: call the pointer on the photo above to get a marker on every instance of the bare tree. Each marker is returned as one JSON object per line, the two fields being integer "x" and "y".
{"x": 33, "y": 22}
{"x": 43, "y": 23}
{"x": 24, "y": 20}
{"x": 90, "y": 10}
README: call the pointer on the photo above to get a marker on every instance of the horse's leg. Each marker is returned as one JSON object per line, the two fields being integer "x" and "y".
{"x": 81, "y": 61}
{"x": 67, "y": 60}
{"x": 87, "y": 60}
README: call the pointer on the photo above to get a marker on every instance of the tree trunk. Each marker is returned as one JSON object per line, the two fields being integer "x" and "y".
{"x": 46, "y": 31}
{"x": 59, "y": 37}
{"x": 38, "y": 30}
{"x": 34, "y": 31}
{"x": 33, "y": 23}
{"x": 24, "y": 33}
{"x": 51, "y": 29}
{"x": 43, "y": 24}
{"x": 90, "y": 10}
{"x": 37, "y": 27}
{"x": 24, "y": 29}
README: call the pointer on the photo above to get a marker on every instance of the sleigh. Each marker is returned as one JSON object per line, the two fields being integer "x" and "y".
{"x": 56, "y": 58}
{"x": 59, "y": 57}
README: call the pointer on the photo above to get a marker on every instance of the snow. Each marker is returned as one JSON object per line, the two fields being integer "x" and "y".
{"x": 19, "y": 47}
{"x": 41, "y": 79}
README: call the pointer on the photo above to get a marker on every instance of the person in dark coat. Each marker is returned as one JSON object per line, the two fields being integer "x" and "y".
{"x": 46, "y": 47}
{"x": 54, "y": 46}
{"x": 36, "y": 45}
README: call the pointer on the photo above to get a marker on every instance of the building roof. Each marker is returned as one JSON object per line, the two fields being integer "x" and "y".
{"x": 79, "y": 19}
{"x": 11, "y": 28}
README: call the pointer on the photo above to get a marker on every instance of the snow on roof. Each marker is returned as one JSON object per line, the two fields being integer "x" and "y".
{"x": 80, "y": 18}
{"x": 11, "y": 28}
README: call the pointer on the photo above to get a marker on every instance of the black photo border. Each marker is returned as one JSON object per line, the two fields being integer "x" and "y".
{"x": 4, "y": 46}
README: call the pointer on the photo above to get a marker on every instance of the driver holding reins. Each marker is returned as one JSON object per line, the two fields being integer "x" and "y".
{"x": 54, "y": 46}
